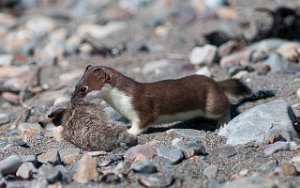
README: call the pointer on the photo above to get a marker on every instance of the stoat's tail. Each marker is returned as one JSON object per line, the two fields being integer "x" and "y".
{"x": 235, "y": 87}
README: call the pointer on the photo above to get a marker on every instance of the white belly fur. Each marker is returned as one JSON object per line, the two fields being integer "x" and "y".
{"x": 185, "y": 116}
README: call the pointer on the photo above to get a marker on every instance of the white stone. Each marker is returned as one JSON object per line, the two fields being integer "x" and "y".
{"x": 203, "y": 55}
{"x": 204, "y": 71}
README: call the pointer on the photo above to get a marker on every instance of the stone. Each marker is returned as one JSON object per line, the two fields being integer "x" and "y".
{"x": 4, "y": 118}
{"x": 171, "y": 153}
{"x": 279, "y": 146}
{"x": 11, "y": 164}
{"x": 251, "y": 182}
{"x": 68, "y": 155}
{"x": 157, "y": 180}
{"x": 241, "y": 75}
{"x": 55, "y": 185}
{"x": 26, "y": 170}
{"x": 276, "y": 63}
{"x": 106, "y": 162}
{"x": 298, "y": 94}
{"x": 6, "y": 59}
{"x": 289, "y": 50}
{"x": 40, "y": 24}
{"x": 235, "y": 59}
{"x": 27, "y": 130}
{"x": 223, "y": 151}
{"x": 257, "y": 124}
{"x": 203, "y": 55}
{"x": 187, "y": 133}
{"x": 66, "y": 176}
{"x": 204, "y": 71}
{"x": 146, "y": 150}
{"x": 10, "y": 97}
{"x": 211, "y": 171}
{"x": 155, "y": 66}
{"x": 86, "y": 170}
{"x": 51, "y": 156}
{"x": 227, "y": 48}
{"x": 50, "y": 173}
{"x": 288, "y": 169}
{"x": 99, "y": 31}
{"x": 193, "y": 148}
{"x": 144, "y": 166}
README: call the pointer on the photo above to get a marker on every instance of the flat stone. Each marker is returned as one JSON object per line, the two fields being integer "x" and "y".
{"x": 144, "y": 166}
{"x": 278, "y": 146}
{"x": 26, "y": 170}
{"x": 252, "y": 182}
{"x": 257, "y": 124}
{"x": 146, "y": 150}
{"x": 223, "y": 151}
{"x": 86, "y": 170}
{"x": 157, "y": 180}
{"x": 187, "y": 133}
{"x": 211, "y": 171}
{"x": 172, "y": 153}
{"x": 11, "y": 164}
{"x": 27, "y": 130}
{"x": 203, "y": 55}
{"x": 51, "y": 156}
{"x": 49, "y": 172}
{"x": 69, "y": 155}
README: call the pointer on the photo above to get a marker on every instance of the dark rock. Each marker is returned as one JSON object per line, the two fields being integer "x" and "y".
{"x": 4, "y": 118}
{"x": 49, "y": 172}
{"x": 145, "y": 150}
{"x": 172, "y": 153}
{"x": 144, "y": 166}
{"x": 260, "y": 122}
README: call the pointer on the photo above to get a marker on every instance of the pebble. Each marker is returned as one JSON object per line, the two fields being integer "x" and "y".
{"x": 204, "y": 71}
{"x": 187, "y": 133}
{"x": 26, "y": 170}
{"x": 10, "y": 97}
{"x": 241, "y": 75}
{"x": 106, "y": 162}
{"x": 251, "y": 182}
{"x": 235, "y": 59}
{"x": 39, "y": 136}
{"x": 155, "y": 66}
{"x": 146, "y": 150}
{"x": 11, "y": 164}
{"x": 26, "y": 130}
{"x": 171, "y": 153}
{"x": 193, "y": 148}
{"x": 68, "y": 155}
{"x": 4, "y": 118}
{"x": 211, "y": 171}
{"x": 51, "y": 156}
{"x": 257, "y": 124}
{"x": 223, "y": 151}
{"x": 144, "y": 167}
{"x": 288, "y": 169}
{"x": 279, "y": 146}
{"x": 50, "y": 173}
{"x": 157, "y": 180}
{"x": 86, "y": 170}
{"x": 298, "y": 94}
{"x": 66, "y": 176}
{"x": 227, "y": 48}
{"x": 6, "y": 59}
{"x": 289, "y": 50}
{"x": 276, "y": 63}
{"x": 203, "y": 55}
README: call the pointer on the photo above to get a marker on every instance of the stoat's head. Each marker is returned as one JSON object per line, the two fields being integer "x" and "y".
{"x": 93, "y": 79}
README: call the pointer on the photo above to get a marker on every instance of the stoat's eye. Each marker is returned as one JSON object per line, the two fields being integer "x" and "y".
{"x": 83, "y": 89}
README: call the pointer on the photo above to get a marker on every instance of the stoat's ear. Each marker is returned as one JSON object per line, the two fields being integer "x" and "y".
{"x": 87, "y": 67}
{"x": 101, "y": 74}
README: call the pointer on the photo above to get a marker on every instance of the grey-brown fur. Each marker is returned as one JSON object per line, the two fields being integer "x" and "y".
{"x": 87, "y": 126}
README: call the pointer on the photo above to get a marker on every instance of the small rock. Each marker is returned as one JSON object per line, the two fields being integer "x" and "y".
{"x": 4, "y": 118}
{"x": 251, "y": 182}
{"x": 66, "y": 176}
{"x": 243, "y": 172}
{"x": 157, "y": 180}
{"x": 144, "y": 166}
{"x": 227, "y": 48}
{"x": 155, "y": 66}
{"x": 51, "y": 156}
{"x": 298, "y": 94}
{"x": 289, "y": 50}
{"x": 6, "y": 59}
{"x": 203, "y": 55}
{"x": 172, "y": 153}
{"x": 39, "y": 136}
{"x": 258, "y": 123}
{"x": 223, "y": 151}
{"x": 40, "y": 24}
{"x": 123, "y": 167}
{"x": 49, "y": 172}
{"x": 193, "y": 148}
{"x": 288, "y": 169}
{"x": 204, "y": 71}
{"x": 55, "y": 185}
{"x": 11, "y": 164}
{"x": 211, "y": 171}
{"x": 10, "y": 97}
{"x": 235, "y": 59}
{"x": 97, "y": 153}
{"x": 110, "y": 178}
{"x": 241, "y": 75}
{"x": 26, "y": 170}
{"x": 86, "y": 170}
{"x": 276, "y": 63}
{"x": 27, "y": 130}
{"x": 146, "y": 150}
{"x": 69, "y": 155}
{"x": 234, "y": 69}
{"x": 187, "y": 133}
{"x": 278, "y": 146}
{"x": 106, "y": 162}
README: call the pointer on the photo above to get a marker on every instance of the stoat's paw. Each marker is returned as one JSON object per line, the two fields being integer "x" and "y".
{"x": 135, "y": 130}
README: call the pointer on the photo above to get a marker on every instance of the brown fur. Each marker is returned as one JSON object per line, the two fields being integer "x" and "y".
{"x": 87, "y": 126}
{"x": 164, "y": 97}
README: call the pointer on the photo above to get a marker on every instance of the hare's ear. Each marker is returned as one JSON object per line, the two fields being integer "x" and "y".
{"x": 87, "y": 67}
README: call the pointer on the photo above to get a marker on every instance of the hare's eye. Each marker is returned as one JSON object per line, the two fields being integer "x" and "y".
{"x": 83, "y": 89}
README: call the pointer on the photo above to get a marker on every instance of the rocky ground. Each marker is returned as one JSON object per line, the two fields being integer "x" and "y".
{"x": 45, "y": 46}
